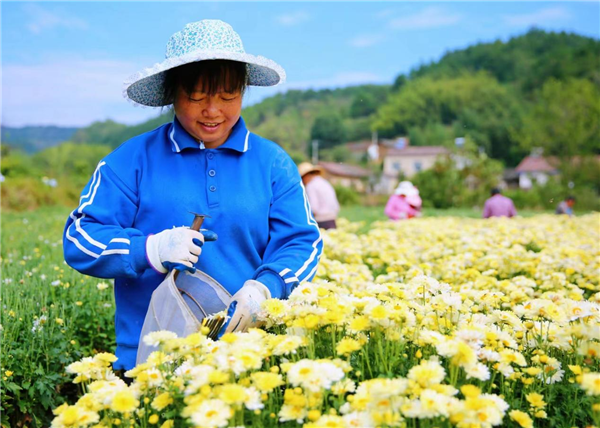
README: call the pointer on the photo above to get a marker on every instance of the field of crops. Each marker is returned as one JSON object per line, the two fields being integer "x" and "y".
{"x": 431, "y": 322}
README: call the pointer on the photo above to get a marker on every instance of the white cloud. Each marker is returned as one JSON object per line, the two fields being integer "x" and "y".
{"x": 70, "y": 92}
{"x": 42, "y": 19}
{"x": 290, "y": 19}
{"x": 366, "y": 40}
{"x": 430, "y": 17}
{"x": 542, "y": 16}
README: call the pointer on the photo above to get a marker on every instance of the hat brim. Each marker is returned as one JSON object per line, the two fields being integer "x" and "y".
{"x": 406, "y": 191}
{"x": 146, "y": 87}
{"x": 314, "y": 168}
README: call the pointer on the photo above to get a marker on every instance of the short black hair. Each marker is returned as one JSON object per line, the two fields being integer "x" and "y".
{"x": 495, "y": 191}
{"x": 571, "y": 198}
{"x": 214, "y": 76}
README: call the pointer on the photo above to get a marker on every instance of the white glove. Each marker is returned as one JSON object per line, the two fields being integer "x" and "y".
{"x": 173, "y": 247}
{"x": 245, "y": 306}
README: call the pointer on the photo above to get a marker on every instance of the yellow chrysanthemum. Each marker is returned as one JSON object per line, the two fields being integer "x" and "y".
{"x": 522, "y": 418}
{"x": 124, "y": 402}
{"x": 161, "y": 401}
{"x": 265, "y": 381}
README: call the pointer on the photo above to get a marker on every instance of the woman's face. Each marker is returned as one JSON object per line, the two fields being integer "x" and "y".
{"x": 208, "y": 118}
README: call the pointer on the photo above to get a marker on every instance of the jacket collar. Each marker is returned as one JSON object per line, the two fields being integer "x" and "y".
{"x": 239, "y": 139}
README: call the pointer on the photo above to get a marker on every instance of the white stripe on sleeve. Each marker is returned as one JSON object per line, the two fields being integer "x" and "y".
{"x": 311, "y": 258}
{"x": 86, "y": 236}
{"x": 123, "y": 240}
{"x": 95, "y": 175}
{"x": 81, "y": 247}
{"x": 109, "y": 252}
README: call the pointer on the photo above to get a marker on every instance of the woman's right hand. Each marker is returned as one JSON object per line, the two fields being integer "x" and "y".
{"x": 177, "y": 248}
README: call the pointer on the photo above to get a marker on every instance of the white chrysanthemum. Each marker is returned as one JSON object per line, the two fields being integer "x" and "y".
{"x": 478, "y": 371}
{"x": 430, "y": 337}
{"x": 199, "y": 376}
{"x": 358, "y": 420}
{"x": 154, "y": 377}
{"x": 314, "y": 375}
{"x": 156, "y": 338}
{"x": 430, "y": 404}
{"x": 211, "y": 413}
{"x": 590, "y": 383}
{"x": 253, "y": 400}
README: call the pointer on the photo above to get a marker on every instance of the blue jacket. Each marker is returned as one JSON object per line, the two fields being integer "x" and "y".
{"x": 250, "y": 188}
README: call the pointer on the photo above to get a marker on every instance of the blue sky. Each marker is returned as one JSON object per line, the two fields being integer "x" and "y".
{"x": 63, "y": 63}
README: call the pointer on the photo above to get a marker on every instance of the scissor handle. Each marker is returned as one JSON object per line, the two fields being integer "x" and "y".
{"x": 198, "y": 220}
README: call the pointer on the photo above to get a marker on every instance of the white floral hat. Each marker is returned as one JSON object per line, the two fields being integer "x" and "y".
{"x": 406, "y": 188}
{"x": 198, "y": 41}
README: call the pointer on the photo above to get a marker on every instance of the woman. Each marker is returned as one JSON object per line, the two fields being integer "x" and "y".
{"x": 405, "y": 203}
{"x": 132, "y": 220}
{"x": 321, "y": 195}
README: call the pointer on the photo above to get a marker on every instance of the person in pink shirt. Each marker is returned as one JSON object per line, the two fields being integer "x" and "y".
{"x": 499, "y": 206}
{"x": 321, "y": 195}
{"x": 405, "y": 203}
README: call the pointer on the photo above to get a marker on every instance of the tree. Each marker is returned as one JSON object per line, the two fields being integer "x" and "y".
{"x": 470, "y": 105}
{"x": 399, "y": 82}
{"x": 565, "y": 119}
{"x": 363, "y": 104}
{"x": 329, "y": 129}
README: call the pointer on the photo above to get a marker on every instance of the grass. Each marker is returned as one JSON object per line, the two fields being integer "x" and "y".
{"x": 51, "y": 316}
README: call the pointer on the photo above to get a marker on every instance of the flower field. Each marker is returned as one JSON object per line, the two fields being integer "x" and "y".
{"x": 429, "y": 323}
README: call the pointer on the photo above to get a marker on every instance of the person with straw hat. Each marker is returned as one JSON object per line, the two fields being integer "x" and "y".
{"x": 132, "y": 220}
{"x": 321, "y": 195}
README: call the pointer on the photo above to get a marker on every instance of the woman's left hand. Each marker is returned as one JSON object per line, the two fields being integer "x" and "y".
{"x": 245, "y": 307}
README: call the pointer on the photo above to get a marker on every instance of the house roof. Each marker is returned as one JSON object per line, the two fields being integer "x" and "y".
{"x": 537, "y": 164}
{"x": 344, "y": 170}
{"x": 359, "y": 147}
{"x": 418, "y": 151}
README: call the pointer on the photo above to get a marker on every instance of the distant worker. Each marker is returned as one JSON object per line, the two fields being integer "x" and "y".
{"x": 499, "y": 206}
{"x": 404, "y": 203}
{"x": 321, "y": 195}
{"x": 566, "y": 206}
{"x": 414, "y": 199}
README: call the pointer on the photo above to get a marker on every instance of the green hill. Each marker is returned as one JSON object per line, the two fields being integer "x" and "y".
{"x": 31, "y": 139}
{"x": 527, "y": 61}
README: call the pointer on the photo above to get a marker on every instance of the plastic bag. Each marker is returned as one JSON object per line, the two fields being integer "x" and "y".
{"x": 180, "y": 304}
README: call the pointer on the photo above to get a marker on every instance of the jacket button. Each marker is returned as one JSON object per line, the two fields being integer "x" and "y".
{"x": 212, "y": 172}
{"x": 213, "y": 188}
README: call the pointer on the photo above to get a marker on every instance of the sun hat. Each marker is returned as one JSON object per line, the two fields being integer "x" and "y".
{"x": 208, "y": 39}
{"x": 406, "y": 188}
{"x": 306, "y": 167}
